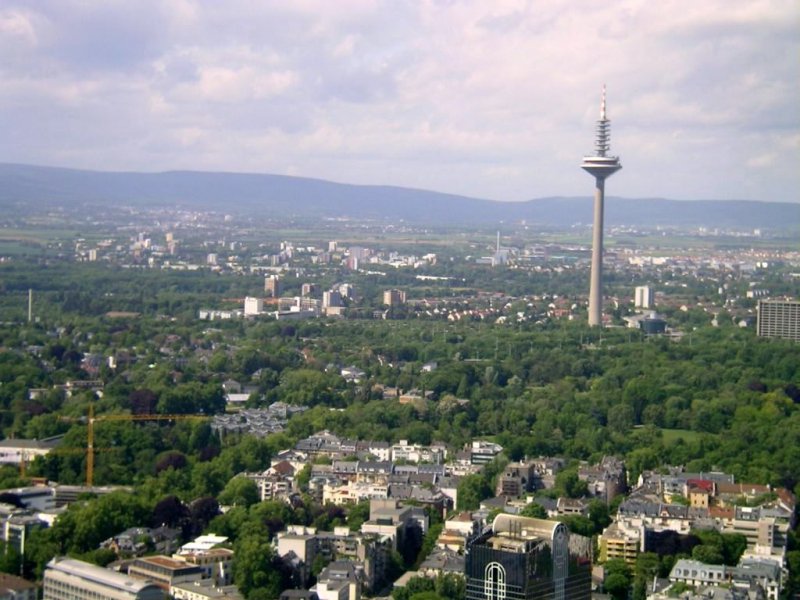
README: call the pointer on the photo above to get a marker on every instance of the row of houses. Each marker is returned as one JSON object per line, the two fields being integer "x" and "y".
{"x": 605, "y": 480}
{"x": 324, "y": 443}
{"x": 666, "y": 507}
{"x": 350, "y": 482}
{"x": 259, "y": 422}
{"x": 757, "y": 578}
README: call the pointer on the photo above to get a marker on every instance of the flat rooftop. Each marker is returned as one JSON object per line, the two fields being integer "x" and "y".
{"x": 83, "y": 570}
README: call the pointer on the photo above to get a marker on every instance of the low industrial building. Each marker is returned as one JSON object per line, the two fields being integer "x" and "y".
{"x": 70, "y": 579}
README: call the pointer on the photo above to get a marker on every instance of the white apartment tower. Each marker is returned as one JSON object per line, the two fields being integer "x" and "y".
{"x": 253, "y": 306}
{"x": 644, "y": 297}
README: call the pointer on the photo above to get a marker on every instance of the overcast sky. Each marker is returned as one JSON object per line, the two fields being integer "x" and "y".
{"x": 493, "y": 99}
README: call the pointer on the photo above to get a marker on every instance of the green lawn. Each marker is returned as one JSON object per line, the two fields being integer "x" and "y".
{"x": 18, "y": 247}
{"x": 673, "y": 435}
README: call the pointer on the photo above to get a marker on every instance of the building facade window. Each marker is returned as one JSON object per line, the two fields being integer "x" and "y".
{"x": 495, "y": 581}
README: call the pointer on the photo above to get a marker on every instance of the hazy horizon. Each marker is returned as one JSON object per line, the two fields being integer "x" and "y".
{"x": 587, "y": 194}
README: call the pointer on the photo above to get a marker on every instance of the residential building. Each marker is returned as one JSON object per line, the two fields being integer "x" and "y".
{"x": 442, "y": 561}
{"x": 300, "y": 541}
{"x": 766, "y": 530}
{"x": 404, "y": 525}
{"x": 253, "y": 306}
{"x": 216, "y": 563}
{"x": 331, "y": 299}
{"x": 347, "y": 290}
{"x": 137, "y": 541}
{"x": 572, "y": 506}
{"x": 748, "y": 574}
{"x": 275, "y": 482}
{"x": 606, "y": 480}
{"x": 766, "y": 527}
{"x": 272, "y": 286}
{"x": 644, "y": 297}
{"x": 620, "y": 542}
{"x": 306, "y": 543}
{"x": 483, "y": 452}
{"x": 70, "y": 579}
{"x": 657, "y": 516}
{"x": 430, "y": 497}
{"x": 374, "y": 450}
{"x": 516, "y": 480}
{"x": 545, "y": 469}
{"x": 338, "y": 581}
{"x": 779, "y": 318}
{"x": 457, "y": 530}
{"x": 417, "y": 453}
{"x": 18, "y": 527}
{"x": 392, "y": 298}
{"x": 298, "y": 307}
{"x": 353, "y": 492}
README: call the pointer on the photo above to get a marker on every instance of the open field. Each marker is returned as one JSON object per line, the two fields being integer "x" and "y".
{"x": 671, "y": 436}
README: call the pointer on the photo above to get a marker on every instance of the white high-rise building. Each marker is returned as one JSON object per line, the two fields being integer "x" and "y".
{"x": 644, "y": 297}
{"x": 253, "y": 306}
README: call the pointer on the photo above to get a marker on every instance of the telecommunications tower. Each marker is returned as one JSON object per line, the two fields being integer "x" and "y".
{"x": 600, "y": 166}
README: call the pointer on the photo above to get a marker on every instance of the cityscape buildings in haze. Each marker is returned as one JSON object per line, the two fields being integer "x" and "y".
{"x": 601, "y": 166}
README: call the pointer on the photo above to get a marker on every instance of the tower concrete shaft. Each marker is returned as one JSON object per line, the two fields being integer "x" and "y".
{"x": 596, "y": 278}
{"x": 601, "y": 166}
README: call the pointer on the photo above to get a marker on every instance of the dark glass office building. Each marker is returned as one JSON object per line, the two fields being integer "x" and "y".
{"x": 520, "y": 558}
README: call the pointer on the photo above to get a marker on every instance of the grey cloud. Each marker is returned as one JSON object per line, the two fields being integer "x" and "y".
{"x": 101, "y": 35}
{"x": 468, "y": 97}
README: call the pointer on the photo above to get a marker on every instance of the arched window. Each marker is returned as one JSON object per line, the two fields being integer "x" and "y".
{"x": 494, "y": 582}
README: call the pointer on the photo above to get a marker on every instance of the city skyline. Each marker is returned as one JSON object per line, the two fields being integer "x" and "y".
{"x": 490, "y": 102}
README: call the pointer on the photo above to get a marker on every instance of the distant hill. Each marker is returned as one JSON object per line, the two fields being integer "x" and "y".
{"x": 26, "y": 186}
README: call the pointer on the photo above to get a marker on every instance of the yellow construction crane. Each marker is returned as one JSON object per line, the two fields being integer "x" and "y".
{"x": 120, "y": 417}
